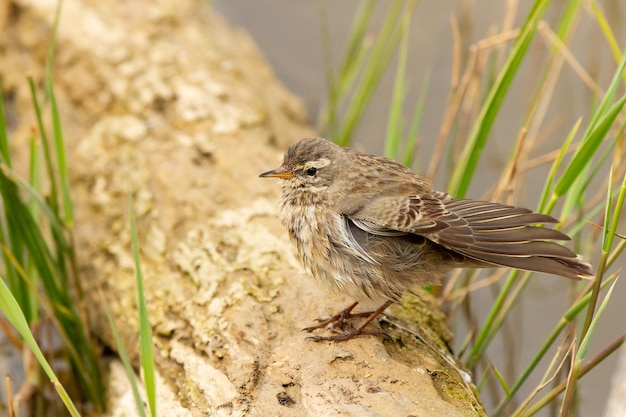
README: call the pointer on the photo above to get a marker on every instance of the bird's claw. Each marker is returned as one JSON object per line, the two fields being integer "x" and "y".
{"x": 347, "y": 335}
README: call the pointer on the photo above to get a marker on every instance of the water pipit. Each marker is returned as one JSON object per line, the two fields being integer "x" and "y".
{"x": 368, "y": 227}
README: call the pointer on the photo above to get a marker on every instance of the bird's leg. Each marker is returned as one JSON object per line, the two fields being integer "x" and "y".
{"x": 344, "y": 315}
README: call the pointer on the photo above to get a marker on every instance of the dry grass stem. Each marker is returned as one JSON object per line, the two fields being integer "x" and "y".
{"x": 564, "y": 51}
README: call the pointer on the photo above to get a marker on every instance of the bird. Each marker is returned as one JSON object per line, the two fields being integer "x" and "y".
{"x": 370, "y": 228}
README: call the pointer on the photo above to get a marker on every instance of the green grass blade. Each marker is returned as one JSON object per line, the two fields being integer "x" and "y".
{"x": 393, "y": 137}
{"x": 616, "y": 83}
{"x": 611, "y": 231}
{"x": 574, "y": 198}
{"x": 45, "y": 147}
{"x": 12, "y": 311}
{"x": 544, "y": 206}
{"x": 59, "y": 147}
{"x": 608, "y": 33}
{"x": 567, "y": 404}
{"x": 121, "y": 350}
{"x": 567, "y": 19}
{"x": 416, "y": 121}
{"x": 492, "y": 322}
{"x": 502, "y": 381}
{"x": 34, "y": 171}
{"x": 145, "y": 330}
{"x": 588, "y": 148}
{"x": 584, "y": 344}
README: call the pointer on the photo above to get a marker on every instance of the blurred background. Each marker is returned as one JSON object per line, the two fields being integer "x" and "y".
{"x": 292, "y": 35}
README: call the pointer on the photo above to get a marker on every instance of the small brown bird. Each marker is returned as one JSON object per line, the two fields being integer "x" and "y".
{"x": 368, "y": 227}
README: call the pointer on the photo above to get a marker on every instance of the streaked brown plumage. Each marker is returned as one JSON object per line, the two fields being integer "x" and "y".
{"x": 369, "y": 227}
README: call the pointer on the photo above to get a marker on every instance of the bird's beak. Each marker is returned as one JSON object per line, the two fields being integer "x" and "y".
{"x": 279, "y": 172}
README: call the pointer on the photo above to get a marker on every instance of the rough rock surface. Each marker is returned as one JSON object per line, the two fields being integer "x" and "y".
{"x": 168, "y": 102}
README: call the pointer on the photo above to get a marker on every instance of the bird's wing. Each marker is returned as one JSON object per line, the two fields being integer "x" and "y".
{"x": 489, "y": 232}
{"x": 393, "y": 215}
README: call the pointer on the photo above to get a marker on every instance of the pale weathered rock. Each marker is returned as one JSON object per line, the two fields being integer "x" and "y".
{"x": 165, "y": 100}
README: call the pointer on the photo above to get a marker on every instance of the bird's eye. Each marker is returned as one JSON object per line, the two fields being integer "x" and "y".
{"x": 311, "y": 172}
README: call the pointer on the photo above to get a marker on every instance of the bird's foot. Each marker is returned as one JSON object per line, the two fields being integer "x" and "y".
{"x": 339, "y": 319}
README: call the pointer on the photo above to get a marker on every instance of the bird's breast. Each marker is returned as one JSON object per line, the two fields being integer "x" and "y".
{"x": 307, "y": 226}
{"x": 313, "y": 229}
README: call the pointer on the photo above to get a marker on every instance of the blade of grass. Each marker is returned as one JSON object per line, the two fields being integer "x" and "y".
{"x": 489, "y": 329}
{"x": 416, "y": 121}
{"x": 12, "y": 311}
{"x": 45, "y": 147}
{"x": 619, "y": 249}
{"x": 34, "y": 182}
{"x": 545, "y": 195}
{"x": 145, "y": 330}
{"x": 393, "y": 137}
{"x": 59, "y": 147}
{"x": 590, "y": 143}
{"x": 608, "y": 33}
{"x": 121, "y": 350}
{"x": 502, "y": 381}
{"x": 607, "y": 240}
{"x": 575, "y": 197}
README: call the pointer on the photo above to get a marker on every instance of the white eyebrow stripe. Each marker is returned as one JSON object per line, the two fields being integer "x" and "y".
{"x": 318, "y": 163}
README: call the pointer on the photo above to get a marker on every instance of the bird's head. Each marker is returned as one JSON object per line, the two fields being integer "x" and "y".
{"x": 308, "y": 166}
